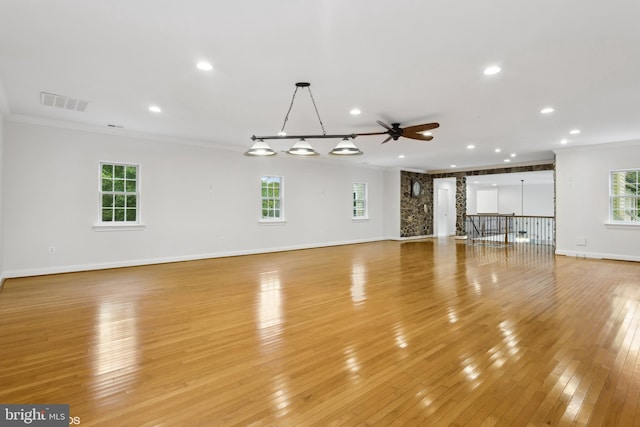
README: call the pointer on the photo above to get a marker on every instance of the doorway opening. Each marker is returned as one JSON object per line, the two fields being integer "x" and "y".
{"x": 444, "y": 219}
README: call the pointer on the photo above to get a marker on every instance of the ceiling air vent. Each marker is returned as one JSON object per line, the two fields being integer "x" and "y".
{"x": 61, "y": 101}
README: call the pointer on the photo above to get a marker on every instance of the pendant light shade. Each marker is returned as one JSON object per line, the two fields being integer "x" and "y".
{"x": 345, "y": 148}
{"x": 260, "y": 148}
{"x": 302, "y": 148}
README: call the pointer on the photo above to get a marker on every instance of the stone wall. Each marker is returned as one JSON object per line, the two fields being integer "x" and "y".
{"x": 416, "y": 213}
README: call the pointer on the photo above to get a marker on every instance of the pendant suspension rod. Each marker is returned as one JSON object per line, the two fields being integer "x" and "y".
{"x": 522, "y": 198}
{"x": 257, "y": 138}
{"x": 286, "y": 117}
{"x": 324, "y": 132}
{"x": 313, "y": 101}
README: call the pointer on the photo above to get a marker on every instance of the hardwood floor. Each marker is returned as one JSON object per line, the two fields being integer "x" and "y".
{"x": 429, "y": 332}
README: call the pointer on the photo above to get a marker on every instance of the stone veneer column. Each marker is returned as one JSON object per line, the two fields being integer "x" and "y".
{"x": 461, "y": 205}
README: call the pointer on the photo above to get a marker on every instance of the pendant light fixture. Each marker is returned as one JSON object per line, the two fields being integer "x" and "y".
{"x": 260, "y": 148}
{"x": 302, "y": 148}
{"x": 345, "y": 148}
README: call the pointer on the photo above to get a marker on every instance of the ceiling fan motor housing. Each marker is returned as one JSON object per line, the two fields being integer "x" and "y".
{"x": 397, "y": 131}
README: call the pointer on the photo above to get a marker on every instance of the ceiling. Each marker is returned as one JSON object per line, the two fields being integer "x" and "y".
{"x": 404, "y": 61}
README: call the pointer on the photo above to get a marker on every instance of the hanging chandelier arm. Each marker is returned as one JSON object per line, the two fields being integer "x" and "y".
{"x": 286, "y": 117}
{"x": 372, "y": 133}
{"x": 324, "y": 132}
{"x": 325, "y": 136}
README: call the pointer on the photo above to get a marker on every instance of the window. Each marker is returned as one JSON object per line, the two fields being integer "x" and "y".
{"x": 272, "y": 198}
{"x": 359, "y": 200}
{"x": 625, "y": 196}
{"x": 119, "y": 196}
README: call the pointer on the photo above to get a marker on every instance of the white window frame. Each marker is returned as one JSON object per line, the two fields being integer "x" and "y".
{"x": 280, "y": 199}
{"x": 119, "y": 225}
{"x": 365, "y": 202}
{"x": 613, "y": 198}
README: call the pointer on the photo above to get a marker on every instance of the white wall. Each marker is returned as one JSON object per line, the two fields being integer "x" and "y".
{"x": 487, "y": 200}
{"x": 582, "y": 206}
{"x": 538, "y": 199}
{"x": 196, "y": 201}
{"x": 507, "y": 199}
{"x": 1, "y": 197}
{"x": 472, "y": 199}
{"x": 392, "y": 204}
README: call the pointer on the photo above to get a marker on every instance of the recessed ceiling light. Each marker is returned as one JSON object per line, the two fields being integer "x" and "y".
{"x": 427, "y": 133}
{"x": 495, "y": 185}
{"x": 401, "y": 156}
{"x": 470, "y": 147}
{"x": 453, "y": 166}
{"x": 547, "y": 110}
{"x": 497, "y": 150}
{"x": 575, "y": 131}
{"x": 494, "y": 69}
{"x": 563, "y": 142}
{"x": 507, "y": 160}
{"x": 204, "y": 66}
{"x": 513, "y": 154}
{"x": 355, "y": 112}
{"x": 155, "y": 109}
{"x": 476, "y": 182}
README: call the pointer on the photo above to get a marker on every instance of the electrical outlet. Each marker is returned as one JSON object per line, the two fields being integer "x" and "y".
{"x": 52, "y": 250}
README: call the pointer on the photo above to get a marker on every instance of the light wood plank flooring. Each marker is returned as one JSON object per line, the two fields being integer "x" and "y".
{"x": 430, "y": 333}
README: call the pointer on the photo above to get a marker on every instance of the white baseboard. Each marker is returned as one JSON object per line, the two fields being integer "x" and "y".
{"x": 595, "y": 255}
{"x": 139, "y": 262}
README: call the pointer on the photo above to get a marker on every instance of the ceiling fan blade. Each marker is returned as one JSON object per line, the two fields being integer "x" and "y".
{"x": 384, "y": 125}
{"x": 418, "y": 137}
{"x": 421, "y": 128}
{"x": 411, "y": 132}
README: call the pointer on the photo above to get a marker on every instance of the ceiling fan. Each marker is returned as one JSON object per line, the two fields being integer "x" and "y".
{"x": 394, "y": 131}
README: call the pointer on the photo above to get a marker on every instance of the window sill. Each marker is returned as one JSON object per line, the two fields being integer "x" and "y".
{"x": 359, "y": 219}
{"x": 119, "y": 227}
{"x": 272, "y": 222}
{"x": 627, "y": 225}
